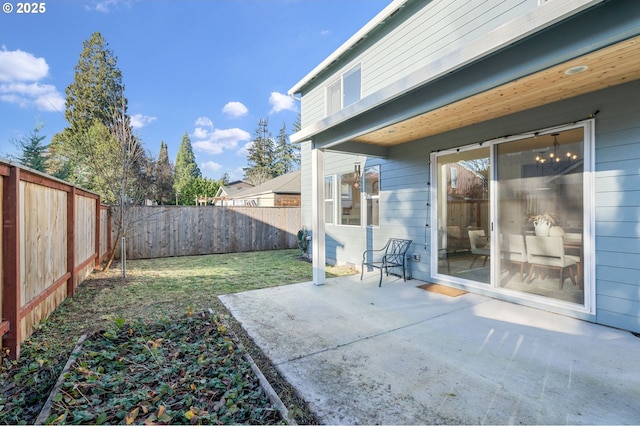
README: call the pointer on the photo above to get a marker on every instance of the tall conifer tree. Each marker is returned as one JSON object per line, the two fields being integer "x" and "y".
{"x": 186, "y": 167}
{"x": 261, "y": 156}
{"x": 164, "y": 176}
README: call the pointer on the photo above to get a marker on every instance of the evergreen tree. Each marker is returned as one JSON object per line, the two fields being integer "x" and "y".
{"x": 297, "y": 125}
{"x": 33, "y": 152}
{"x": 95, "y": 97}
{"x": 287, "y": 155}
{"x": 261, "y": 157}
{"x": 225, "y": 179}
{"x": 96, "y": 92}
{"x": 186, "y": 169}
{"x": 164, "y": 177}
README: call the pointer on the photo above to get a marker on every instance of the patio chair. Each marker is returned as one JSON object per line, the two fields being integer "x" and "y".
{"x": 479, "y": 246}
{"x": 456, "y": 241}
{"x": 548, "y": 253}
{"x": 513, "y": 251}
{"x": 393, "y": 254}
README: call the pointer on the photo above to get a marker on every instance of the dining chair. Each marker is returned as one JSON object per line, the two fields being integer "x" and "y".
{"x": 548, "y": 253}
{"x": 479, "y": 245}
{"x": 513, "y": 250}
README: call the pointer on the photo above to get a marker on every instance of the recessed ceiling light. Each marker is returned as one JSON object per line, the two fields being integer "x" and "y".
{"x": 576, "y": 70}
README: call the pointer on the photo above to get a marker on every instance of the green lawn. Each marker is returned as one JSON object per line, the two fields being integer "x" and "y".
{"x": 155, "y": 291}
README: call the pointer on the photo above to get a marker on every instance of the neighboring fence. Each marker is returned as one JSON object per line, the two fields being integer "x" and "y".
{"x": 52, "y": 238}
{"x": 163, "y": 231}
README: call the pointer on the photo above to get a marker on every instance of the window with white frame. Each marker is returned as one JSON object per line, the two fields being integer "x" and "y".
{"x": 351, "y": 82}
{"x": 328, "y": 199}
{"x": 334, "y": 97}
{"x": 349, "y": 200}
{"x": 344, "y": 91}
{"x": 372, "y": 194}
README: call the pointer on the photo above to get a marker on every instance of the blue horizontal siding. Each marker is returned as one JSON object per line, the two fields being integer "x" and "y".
{"x": 618, "y": 290}
{"x": 618, "y": 305}
{"x": 617, "y": 212}
{"x": 614, "y": 274}
{"x": 615, "y": 319}
{"x": 616, "y": 199}
{"x": 626, "y": 244}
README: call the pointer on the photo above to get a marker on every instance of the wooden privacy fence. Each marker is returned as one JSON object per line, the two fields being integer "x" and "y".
{"x": 163, "y": 231}
{"x": 53, "y": 235}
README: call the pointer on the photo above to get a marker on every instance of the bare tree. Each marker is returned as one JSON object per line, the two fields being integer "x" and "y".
{"x": 128, "y": 181}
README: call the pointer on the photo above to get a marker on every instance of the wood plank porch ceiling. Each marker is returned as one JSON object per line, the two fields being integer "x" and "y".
{"x": 616, "y": 64}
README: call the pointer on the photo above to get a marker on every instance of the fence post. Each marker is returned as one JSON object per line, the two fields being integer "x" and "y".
{"x": 71, "y": 241}
{"x": 97, "y": 242}
{"x": 109, "y": 230}
{"x": 11, "y": 262}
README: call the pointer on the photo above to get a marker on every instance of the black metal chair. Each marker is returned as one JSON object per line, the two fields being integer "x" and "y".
{"x": 393, "y": 254}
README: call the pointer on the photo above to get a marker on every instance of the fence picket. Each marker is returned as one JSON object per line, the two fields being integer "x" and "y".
{"x": 161, "y": 231}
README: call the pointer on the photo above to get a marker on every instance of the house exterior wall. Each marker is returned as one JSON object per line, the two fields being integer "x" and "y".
{"x": 405, "y": 187}
{"x": 409, "y": 45}
{"x": 405, "y": 193}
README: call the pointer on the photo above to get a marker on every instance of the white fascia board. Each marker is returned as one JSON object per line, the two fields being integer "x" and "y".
{"x": 362, "y": 33}
{"x": 517, "y": 29}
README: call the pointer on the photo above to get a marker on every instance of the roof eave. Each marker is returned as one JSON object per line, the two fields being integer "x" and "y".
{"x": 346, "y": 46}
{"x": 482, "y": 47}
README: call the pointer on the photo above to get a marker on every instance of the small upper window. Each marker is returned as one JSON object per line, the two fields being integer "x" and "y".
{"x": 352, "y": 85}
{"x": 345, "y": 91}
{"x": 334, "y": 97}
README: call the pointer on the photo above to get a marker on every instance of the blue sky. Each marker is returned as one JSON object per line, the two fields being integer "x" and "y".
{"x": 211, "y": 68}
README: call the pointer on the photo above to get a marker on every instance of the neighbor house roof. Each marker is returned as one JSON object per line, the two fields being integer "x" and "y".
{"x": 285, "y": 184}
{"x": 232, "y": 188}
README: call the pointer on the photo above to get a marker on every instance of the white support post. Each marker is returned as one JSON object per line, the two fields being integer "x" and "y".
{"x": 317, "y": 216}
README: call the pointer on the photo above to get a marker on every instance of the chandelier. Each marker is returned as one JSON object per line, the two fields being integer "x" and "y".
{"x": 555, "y": 160}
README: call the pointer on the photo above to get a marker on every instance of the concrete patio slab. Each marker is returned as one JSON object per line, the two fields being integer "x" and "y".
{"x": 360, "y": 354}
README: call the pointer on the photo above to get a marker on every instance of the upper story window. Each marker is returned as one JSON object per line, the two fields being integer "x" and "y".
{"x": 351, "y": 82}
{"x": 345, "y": 91}
{"x": 334, "y": 97}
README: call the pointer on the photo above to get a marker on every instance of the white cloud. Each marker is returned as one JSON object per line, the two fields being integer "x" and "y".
{"x": 20, "y": 73}
{"x": 215, "y": 141}
{"x": 44, "y": 97}
{"x": 236, "y": 174}
{"x": 105, "y": 6}
{"x": 210, "y": 166}
{"x": 281, "y": 102}
{"x": 17, "y": 65}
{"x": 204, "y": 122}
{"x": 200, "y": 133}
{"x": 138, "y": 121}
{"x": 244, "y": 150}
{"x": 325, "y": 33}
{"x": 235, "y": 109}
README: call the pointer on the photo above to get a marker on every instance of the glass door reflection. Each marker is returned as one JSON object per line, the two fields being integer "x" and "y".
{"x": 540, "y": 211}
{"x": 464, "y": 232}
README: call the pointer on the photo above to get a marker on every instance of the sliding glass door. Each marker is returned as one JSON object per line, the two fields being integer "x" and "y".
{"x": 540, "y": 206}
{"x": 464, "y": 229}
{"x": 510, "y": 214}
